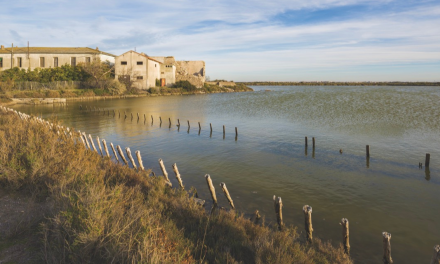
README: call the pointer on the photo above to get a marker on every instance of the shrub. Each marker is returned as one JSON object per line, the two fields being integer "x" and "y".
{"x": 52, "y": 94}
{"x": 186, "y": 85}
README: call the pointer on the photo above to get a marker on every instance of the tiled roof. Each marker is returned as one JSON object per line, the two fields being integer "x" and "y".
{"x": 53, "y": 50}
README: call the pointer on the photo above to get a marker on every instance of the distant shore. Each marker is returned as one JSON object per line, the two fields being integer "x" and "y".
{"x": 341, "y": 83}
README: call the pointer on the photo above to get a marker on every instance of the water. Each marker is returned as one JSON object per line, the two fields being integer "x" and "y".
{"x": 392, "y": 194}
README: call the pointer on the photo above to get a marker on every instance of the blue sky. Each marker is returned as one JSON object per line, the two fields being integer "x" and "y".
{"x": 260, "y": 40}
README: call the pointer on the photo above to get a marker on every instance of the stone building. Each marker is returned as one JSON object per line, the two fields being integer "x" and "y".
{"x": 138, "y": 68}
{"x": 167, "y": 70}
{"x": 174, "y": 71}
{"x": 49, "y": 57}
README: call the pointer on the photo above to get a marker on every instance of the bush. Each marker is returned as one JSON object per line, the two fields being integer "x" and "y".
{"x": 114, "y": 87}
{"x": 67, "y": 94}
{"x": 52, "y": 94}
{"x": 186, "y": 85}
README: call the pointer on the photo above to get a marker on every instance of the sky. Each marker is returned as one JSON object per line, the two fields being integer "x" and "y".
{"x": 259, "y": 40}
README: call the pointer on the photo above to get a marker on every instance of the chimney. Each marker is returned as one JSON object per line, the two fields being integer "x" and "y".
{"x": 97, "y": 48}
{"x": 3, "y": 47}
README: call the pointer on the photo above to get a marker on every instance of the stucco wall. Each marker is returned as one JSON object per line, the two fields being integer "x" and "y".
{"x": 153, "y": 72}
{"x": 34, "y": 59}
{"x": 192, "y": 71}
{"x": 132, "y": 68}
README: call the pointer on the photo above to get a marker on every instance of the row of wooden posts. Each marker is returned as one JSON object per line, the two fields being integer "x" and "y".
{"x": 367, "y": 152}
{"x": 278, "y": 204}
{"x": 160, "y": 119}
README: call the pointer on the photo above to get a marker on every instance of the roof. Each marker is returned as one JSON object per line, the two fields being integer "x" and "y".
{"x": 141, "y": 54}
{"x": 53, "y": 50}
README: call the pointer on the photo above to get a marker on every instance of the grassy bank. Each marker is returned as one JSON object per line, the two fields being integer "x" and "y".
{"x": 91, "y": 210}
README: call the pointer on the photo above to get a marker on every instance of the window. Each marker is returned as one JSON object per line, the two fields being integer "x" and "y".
{"x": 123, "y": 63}
{"x": 55, "y": 61}
{"x": 155, "y": 65}
{"x": 73, "y": 61}
{"x": 87, "y": 60}
{"x": 140, "y": 63}
{"x": 41, "y": 62}
{"x": 1, "y": 62}
{"x": 19, "y": 62}
{"x": 140, "y": 77}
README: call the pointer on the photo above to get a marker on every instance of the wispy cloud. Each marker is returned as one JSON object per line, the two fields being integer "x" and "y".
{"x": 246, "y": 40}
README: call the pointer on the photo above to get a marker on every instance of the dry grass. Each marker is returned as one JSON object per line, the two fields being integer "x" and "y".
{"x": 107, "y": 213}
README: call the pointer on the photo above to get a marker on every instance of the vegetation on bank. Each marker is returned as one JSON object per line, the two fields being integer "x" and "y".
{"x": 96, "y": 211}
{"x": 342, "y": 83}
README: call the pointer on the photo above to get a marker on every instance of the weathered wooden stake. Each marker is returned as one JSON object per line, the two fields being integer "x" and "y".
{"x": 105, "y": 147}
{"x": 226, "y": 192}
{"x": 138, "y": 155}
{"x": 436, "y": 256}
{"x": 368, "y": 151}
{"x": 131, "y": 116}
{"x": 427, "y": 159}
{"x": 145, "y": 117}
{"x": 224, "y": 131}
{"x": 87, "y": 141}
{"x": 188, "y": 124}
{"x": 164, "y": 171}
{"x": 387, "y": 248}
{"x": 308, "y": 222}
{"x": 345, "y": 235}
{"x": 178, "y": 122}
{"x": 82, "y": 139}
{"x": 93, "y": 144}
{"x": 169, "y": 119}
{"x": 200, "y": 127}
{"x": 114, "y": 151}
{"x": 99, "y": 145}
{"x": 130, "y": 157}
{"x": 278, "y": 204}
{"x": 160, "y": 120}
{"x": 179, "y": 179}
{"x": 236, "y": 132}
{"x": 211, "y": 188}
{"x": 122, "y": 155}
{"x": 138, "y": 115}
{"x": 256, "y": 216}
{"x": 306, "y": 141}
{"x": 210, "y": 125}
{"x": 313, "y": 142}
{"x": 151, "y": 118}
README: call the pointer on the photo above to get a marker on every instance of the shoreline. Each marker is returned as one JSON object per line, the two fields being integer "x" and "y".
{"x": 64, "y": 100}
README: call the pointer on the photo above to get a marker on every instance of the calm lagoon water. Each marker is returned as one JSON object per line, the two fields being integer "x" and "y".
{"x": 401, "y": 125}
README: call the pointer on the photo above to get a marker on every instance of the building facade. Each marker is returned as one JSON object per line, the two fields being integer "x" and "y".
{"x": 139, "y": 69}
{"x": 49, "y": 57}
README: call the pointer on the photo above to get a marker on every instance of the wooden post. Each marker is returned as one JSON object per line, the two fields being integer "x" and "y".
{"x": 306, "y": 141}
{"x": 105, "y": 147}
{"x": 179, "y": 179}
{"x": 308, "y": 222}
{"x": 368, "y": 151}
{"x": 160, "y": 120}
{"x": 427, "y": 159}
{"x": 99, "y": 145}
{"x": 188, "y": 124}
{"x": 387, "y": 248}
{"x": 114, "y": 112}
{"x": 131, "y": 116}
{"x": 87, "y": 141}
{"x": 138, "y": 155}
{"x": 210, "y": 125}
{"x": 114, "y": 151}
{"x": 138, "y": 115}
{"x": 130, "y": 157}
{"x": 145, "y": 118}
{"x": 224, "y": 131}
{"x": 236, "y": 132}
{"x": 93, "y": 144}
{"x": 256, "y": 216}
{"x": 211, "y": 188}
{"x": 313, "y": 142}
{"x": 169, "y": 119}
{"x": 151, "y": 118}
{"x": 200, "y": 127}
{"x": 345, "y": 235}
{"x": 226, "y": 192}
{"x": 164, "y": 171}
{"x": 122, "y": 155}
{"x": 436, "y": 256}
{"x": 82, "y": 139}
{"x": 178, "y": 122}
{"x": 278, "y": 204}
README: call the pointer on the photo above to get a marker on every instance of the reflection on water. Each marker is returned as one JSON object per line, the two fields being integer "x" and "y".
{"x": 384, "y": 192}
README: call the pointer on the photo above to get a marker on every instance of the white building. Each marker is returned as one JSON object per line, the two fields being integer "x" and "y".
{"x": 49, "y": 57}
